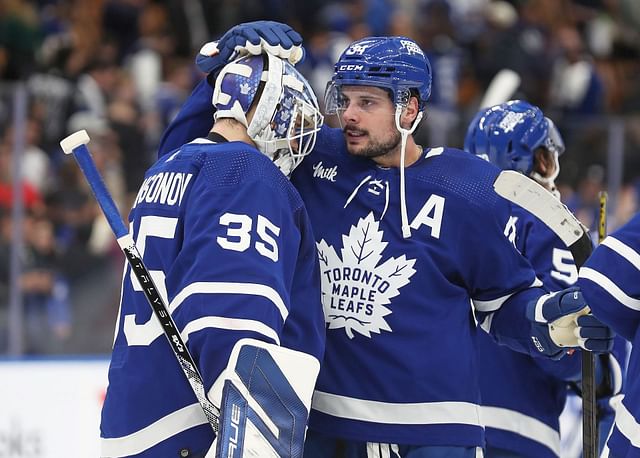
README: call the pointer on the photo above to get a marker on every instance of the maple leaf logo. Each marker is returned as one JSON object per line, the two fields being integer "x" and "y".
{"x": 357, "y": 289}
{"x": 245, "y": 88}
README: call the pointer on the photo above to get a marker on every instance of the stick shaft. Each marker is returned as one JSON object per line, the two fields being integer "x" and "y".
{"x": 589, "y": 406}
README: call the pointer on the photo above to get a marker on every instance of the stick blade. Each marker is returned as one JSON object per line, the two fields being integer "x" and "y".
{"x": 523, "y": 191}
{"x": 502, "y": 87}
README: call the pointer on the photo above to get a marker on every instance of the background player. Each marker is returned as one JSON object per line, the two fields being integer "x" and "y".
{"x": 523, "y": 396}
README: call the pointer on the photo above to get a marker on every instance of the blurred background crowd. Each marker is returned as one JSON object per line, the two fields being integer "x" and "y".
{"x": 121, "y": 69}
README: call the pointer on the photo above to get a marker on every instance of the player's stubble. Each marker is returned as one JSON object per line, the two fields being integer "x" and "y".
{"x": 373, "y": 148}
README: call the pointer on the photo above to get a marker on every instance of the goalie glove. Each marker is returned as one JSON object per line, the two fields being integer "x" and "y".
{"x": 562, "y": 320}
{"x": 254, "y": 38}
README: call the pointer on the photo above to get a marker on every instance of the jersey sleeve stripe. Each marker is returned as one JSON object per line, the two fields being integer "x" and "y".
{"x": 170, "y": 425}
{"x": 232, "y": 324}
{"x": 610, "y": 287}
{"x": 422, "y": 413}
{"x": 627, "y": 424}
{"x": 495, "y": 304}
{"x": 253, "y": 289}
{"x": 623, "y": 250}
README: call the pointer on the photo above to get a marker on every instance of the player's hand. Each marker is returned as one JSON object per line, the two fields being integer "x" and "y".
{"x": 251, "y": 38}
{"x": 562, "y": 320}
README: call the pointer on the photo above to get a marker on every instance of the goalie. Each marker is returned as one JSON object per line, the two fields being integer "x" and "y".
{"x": 229, "y": 245}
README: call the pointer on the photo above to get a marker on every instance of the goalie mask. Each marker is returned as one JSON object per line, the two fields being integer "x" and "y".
{"x": 393, "y": 63}
{"x": 509, "y": 134}
{"x": 286, "y": 117}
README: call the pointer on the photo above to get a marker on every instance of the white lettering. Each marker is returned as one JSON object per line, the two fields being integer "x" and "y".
{"x": 564, "y": 269}
{"x": 352, "y": 67}
{"x": 357, "y": 49}
{"x": 164, "y": 188}
{"x": 434, "y": 205}
{"x": 235, "y": 424}
{"x": 319, "y": 171}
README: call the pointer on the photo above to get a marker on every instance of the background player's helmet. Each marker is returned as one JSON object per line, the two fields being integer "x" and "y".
{"x": 286, "y": 117}
{"x": 394, "y": 63}
{"x": 509, "y": 134}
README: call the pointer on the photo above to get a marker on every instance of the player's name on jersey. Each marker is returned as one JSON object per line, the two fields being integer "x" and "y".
{"x": 166, "y": 188}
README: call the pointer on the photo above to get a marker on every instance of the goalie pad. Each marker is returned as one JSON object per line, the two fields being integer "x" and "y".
{"x": 265, "y": 397}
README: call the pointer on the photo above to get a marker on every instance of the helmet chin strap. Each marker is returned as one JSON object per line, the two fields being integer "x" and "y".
{"x": 404, "y": 135}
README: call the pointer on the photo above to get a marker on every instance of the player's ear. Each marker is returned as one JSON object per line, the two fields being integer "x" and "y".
{"x": 410, "y": 112}
{"x": 543, "y": 162}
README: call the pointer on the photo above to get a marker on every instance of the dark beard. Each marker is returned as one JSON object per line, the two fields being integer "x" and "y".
{"x": 377, "y": 149}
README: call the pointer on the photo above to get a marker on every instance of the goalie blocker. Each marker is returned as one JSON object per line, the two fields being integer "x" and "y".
{"x": 265, "y": 395}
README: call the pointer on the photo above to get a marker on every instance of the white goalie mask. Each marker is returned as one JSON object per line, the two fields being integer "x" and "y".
{"x": 286, "y": 116}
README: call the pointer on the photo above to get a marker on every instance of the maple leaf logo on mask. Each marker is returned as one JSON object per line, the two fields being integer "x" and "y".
{"x": 357, "y": 289}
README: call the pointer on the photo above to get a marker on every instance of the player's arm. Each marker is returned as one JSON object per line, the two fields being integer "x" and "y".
{"x": 609, "y": 280}
{"x": 512, "y": 307}
{"x": 195, "y": 118}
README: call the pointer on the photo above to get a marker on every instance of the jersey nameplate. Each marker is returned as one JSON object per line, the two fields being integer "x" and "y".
{"x": 166, "y": 188}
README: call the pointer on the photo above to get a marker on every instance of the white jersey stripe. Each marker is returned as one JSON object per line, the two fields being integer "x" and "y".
{"x": 233, "y": 324}
{"x": 524, "y": 425}
{"x": 214, "y": 287}
{"x": 610, "y": 287}
{"x": 623, "y": 250}
{"x": 424, "y": 413}
{"x": 147, "y": 437}
{"x": 495, "y": 304}
{"x": 627, "y": 425}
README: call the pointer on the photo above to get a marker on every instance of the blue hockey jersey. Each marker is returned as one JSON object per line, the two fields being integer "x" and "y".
{"x": 400, "y": 364}
{"x": 610, "y": 283}
{"x": 229, "y": 245}
{"x": 523, "y": 396}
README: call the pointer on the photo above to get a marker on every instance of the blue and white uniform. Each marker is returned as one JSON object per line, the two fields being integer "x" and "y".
{"x": 609, "y": 282}
{"x": 400, "y": 365}
{"x": 523, "y": 396}
{"x": 229, "y": 244}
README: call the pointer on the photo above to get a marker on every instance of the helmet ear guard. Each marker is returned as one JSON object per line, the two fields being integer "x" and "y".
{"x": 286, "y": 117}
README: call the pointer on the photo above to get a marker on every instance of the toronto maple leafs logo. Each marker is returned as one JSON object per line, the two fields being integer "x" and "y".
{"x": 245, "y": 88}
{"x": 357, "y": 289}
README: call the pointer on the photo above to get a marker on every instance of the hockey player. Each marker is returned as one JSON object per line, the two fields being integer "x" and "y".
{"x": 228, "y": 241}
{"x": 609, "y": 280}
{"x": 522, "y": 396}
{"x": 408, "y": 237}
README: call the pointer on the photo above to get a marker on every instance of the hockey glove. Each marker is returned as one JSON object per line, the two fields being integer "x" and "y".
{"x": 255, "y": 37}
{"x": 562, "y": 320}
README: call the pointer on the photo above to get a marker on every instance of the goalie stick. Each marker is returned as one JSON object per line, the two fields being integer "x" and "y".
{"x": 76, "y": 144}
{"x": 526, "y": 193}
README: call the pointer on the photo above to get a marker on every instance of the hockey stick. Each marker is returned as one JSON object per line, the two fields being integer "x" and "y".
{"x": 76, "y": 144}
{"x": 529, "y": 195}
{"x": 501, "y": 88}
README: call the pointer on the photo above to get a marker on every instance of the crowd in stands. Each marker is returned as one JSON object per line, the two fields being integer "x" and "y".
{"x": 121, "y": 69}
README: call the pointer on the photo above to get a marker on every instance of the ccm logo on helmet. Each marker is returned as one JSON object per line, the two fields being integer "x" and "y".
{"x": 351, "y": 67}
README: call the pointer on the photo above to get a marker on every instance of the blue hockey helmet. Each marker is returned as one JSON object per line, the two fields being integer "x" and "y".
{"x": 509, "y": 134}
{"x": 286, "y": 116}
{"x": 394, "y": 63}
